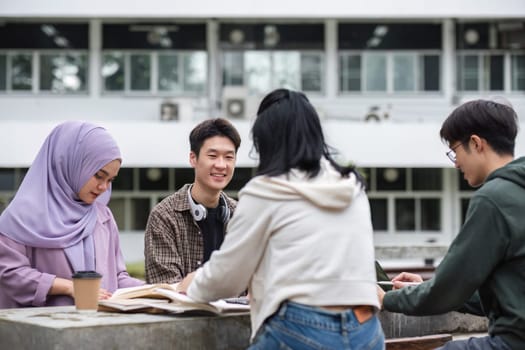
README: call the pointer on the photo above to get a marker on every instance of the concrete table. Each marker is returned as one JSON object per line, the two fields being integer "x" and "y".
{"x": 64, "y": 328}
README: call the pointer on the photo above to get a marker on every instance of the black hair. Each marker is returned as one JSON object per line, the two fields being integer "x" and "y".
{"x": 287, "y": 134}
{"x": 495, "y": 122}
{"x": 210, "y": 128}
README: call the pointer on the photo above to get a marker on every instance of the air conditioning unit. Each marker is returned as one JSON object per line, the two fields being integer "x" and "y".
{"x": 169, "y": 111}
{"x": 235, "y": 102}
{"x": 375, "y": 114}
{"x": 235, "y": 108}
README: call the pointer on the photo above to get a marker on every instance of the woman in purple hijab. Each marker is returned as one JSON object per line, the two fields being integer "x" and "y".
{"x": 58, "y": 222}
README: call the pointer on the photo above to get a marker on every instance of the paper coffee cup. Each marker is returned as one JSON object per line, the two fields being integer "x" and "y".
{"x": 86, "y": 285}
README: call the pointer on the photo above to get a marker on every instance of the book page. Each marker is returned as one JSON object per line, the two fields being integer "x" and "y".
{"x": 219, "y": 306}
{"x": 145, "y": 291}
{"x": 132, "y": 304}
{"x": 164, "y": 297}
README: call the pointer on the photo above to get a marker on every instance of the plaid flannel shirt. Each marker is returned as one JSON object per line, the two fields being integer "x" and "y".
{"x": 173, "y": 244}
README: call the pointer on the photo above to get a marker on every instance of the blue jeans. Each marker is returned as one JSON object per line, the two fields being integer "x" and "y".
{"x": 481, "y": 343}
{"x": 297, "y": 326}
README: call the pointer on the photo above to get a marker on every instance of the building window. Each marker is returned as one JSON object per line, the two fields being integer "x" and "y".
{"x": 405, "y": 200}
{"x": 113, "y": 71}
{"x": 389, "y": 36}
{"x": 390, "y": 179}
{"x": 184, "y": 176}
{"x": 465, "y": 193}
{"x": 404, "y": 73}
{"x": 155, "y": 58}
{"x": 464, "y": 208}
{"x": 518, "y": 72}
{"x": 350, "y": 72}
{"x": 140, "y": 67}
{"x": 7, "y": 179}
{"x": 239, "y": 180}
{"x": 485, "y": 52}
{"x": 480, "y": 72}
{"x": 56, "y": 54}
{"x": 391, "y": 72}
{"x": 3, "y": 72}
{"x": 154, "y": 179}
{"x": 10, "y": 180}
{"x": 181, "y": 73}
{"x": 375, "y": 72}
{"x": 379, "y": 209}
{"x": 262, "y": 71}
{"x": 430, "y": 214}
{"x": 262, "y": 57}
{"x": 20, "y": 65}
{"x": 427, "y": 179}
{"x": 124, "y": 180}
{"x": 389, "y": 57}
{"x": 118, "y": 208}
{"x": 405, "y": 214}
{"x": 140, "y": 209}
{"x": 63, "y": 73}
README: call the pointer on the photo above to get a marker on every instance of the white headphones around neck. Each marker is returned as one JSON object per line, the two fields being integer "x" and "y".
{"x": 199, "y": 212}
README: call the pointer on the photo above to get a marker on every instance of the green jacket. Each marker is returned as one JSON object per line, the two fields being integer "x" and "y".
{"x": 487, "y": 256}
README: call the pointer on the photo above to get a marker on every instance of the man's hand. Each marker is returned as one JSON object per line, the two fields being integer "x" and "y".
{"x": 183, "y": 285}
{"x": 405, "y": 277}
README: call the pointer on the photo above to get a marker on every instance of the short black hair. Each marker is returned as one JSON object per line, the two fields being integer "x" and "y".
{"x": 287, "y": 134}
{"x": 210, "y": 128}
{"x": 497, "y": 123}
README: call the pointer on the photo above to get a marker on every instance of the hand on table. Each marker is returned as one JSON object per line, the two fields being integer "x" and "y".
{"x": 183, "y": 285}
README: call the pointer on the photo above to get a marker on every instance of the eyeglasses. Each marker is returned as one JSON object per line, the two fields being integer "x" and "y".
{"x": 452, "y": 153}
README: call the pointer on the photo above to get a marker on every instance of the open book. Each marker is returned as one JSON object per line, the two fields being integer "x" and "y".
{"x": 158, "y": 298}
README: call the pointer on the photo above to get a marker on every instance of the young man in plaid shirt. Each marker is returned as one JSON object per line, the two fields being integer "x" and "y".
{"x": 186, "y": 227}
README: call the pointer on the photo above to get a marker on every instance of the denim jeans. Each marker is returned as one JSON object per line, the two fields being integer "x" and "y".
{"x": 297, "y": 326}
{"x": 481, "y": 343}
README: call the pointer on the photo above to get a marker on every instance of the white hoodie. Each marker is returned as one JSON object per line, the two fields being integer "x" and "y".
{"x": 298, "y": 239}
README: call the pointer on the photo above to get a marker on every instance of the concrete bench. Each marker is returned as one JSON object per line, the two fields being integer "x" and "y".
{"x": 427, "y": 342}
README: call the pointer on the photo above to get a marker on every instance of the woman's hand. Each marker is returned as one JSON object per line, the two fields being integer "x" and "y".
{"x": 61, "y": 286}
{"x": 405, "y": 277}
{"x": 183, "y": 285}
{"x": 104, "y": 294}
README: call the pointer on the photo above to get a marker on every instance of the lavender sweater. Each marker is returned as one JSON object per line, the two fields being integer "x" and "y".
{"x": 27, "y": 273}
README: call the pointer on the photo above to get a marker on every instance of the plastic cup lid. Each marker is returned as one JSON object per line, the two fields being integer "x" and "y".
{"x": 87, "y": 274}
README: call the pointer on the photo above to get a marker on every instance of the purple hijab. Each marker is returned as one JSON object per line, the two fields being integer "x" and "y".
{"x": 46, "y": 211}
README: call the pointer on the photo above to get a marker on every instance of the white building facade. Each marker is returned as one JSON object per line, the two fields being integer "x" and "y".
{"x": 383, "y": 76}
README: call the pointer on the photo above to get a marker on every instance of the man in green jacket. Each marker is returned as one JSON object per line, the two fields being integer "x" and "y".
{"x": 485, "y": 264}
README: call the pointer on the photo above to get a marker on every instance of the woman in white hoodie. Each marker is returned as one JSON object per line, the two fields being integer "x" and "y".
{"x": 301, "y": 239}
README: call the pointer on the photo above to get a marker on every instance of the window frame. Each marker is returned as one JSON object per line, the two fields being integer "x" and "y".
{"x": 392, "y": 236}
{"x": 272, "y": 78}
{"x": 154, "y": 73}
{"x": 508, "y": 75}
{"x": 390, "y": 74}
{"x": 36, "y": 71}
